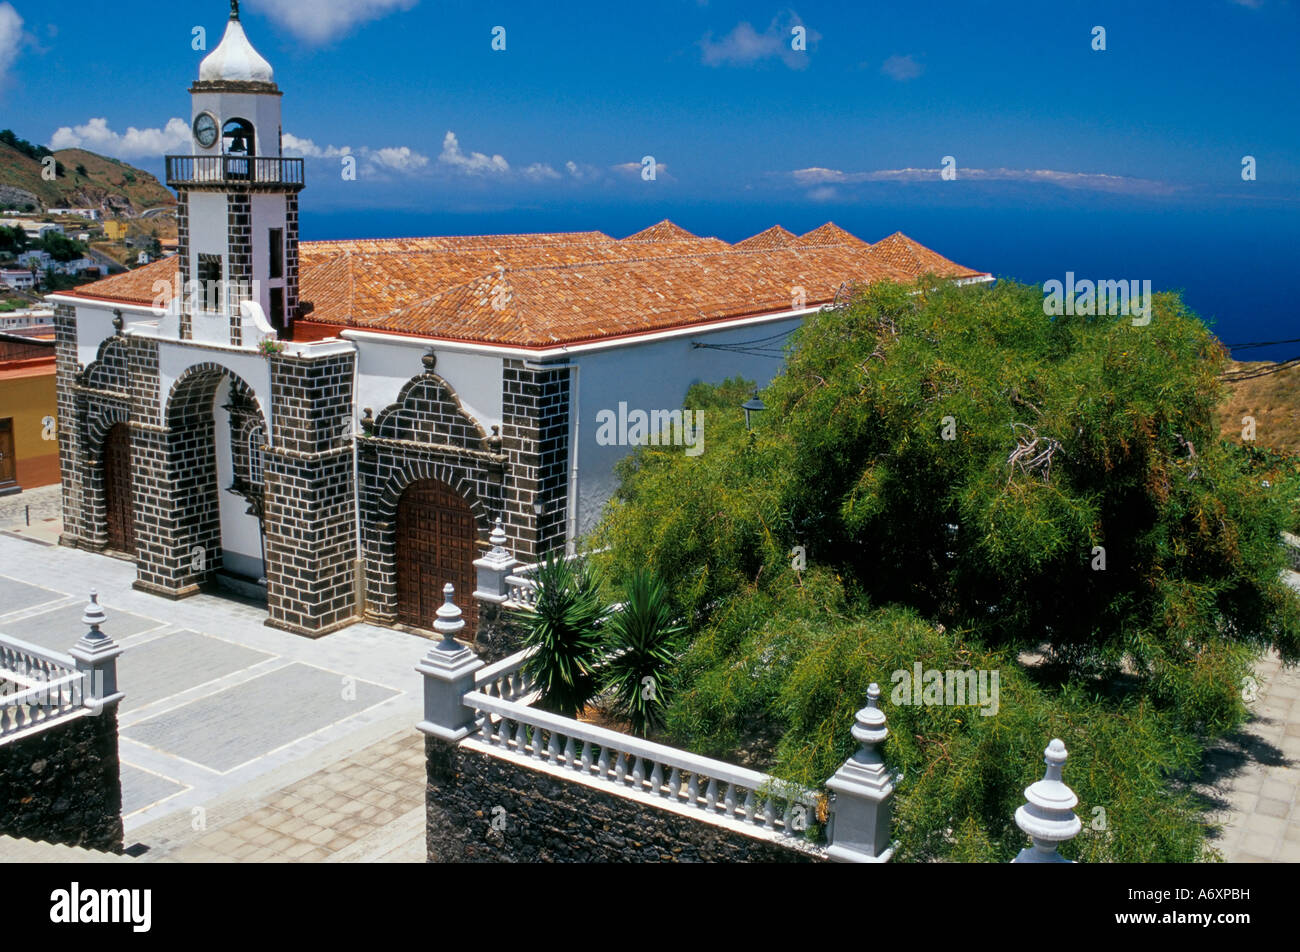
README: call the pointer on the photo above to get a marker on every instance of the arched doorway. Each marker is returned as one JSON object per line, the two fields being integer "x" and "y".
{"x": 119, "y": 518}
{"x": 435, "y": 545}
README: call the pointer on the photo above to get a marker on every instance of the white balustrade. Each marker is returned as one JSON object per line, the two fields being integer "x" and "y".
{"x": 709, "y": 787}
{"x": 506, "y": 679}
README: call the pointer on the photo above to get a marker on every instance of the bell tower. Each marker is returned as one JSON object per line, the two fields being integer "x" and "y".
{"x": 238, "y": 199}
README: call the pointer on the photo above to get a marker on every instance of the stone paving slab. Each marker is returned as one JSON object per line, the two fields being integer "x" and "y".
{"x": 166, "y": 666}
{"x": 60, "y": 628}
{"x": 252, "y": 719}
{"x": 15, "y": 595}
{"x": 142, "y": 789}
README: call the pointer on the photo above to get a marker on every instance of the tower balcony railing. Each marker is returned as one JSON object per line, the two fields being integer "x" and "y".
{"x": 221, "y": 169}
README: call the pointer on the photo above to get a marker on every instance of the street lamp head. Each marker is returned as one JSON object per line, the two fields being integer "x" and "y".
{"x": 752, "y": 405}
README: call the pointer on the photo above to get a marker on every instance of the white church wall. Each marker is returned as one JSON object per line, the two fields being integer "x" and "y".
{"x": 653, "y": 376}
{"x": 240, "y": 538}
{"x": 384, "y": 368}
{"x": 251, "y": 367}
{"x": 94, "y": 324}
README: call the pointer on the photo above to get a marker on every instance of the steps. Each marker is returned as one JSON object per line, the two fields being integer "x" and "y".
{"x": 35, "y": 851}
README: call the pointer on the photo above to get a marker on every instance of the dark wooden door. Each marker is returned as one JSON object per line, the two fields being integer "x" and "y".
{"x": 8, "y": 462}
{"x": 119, "y": 518}
{"x": 435, "y": 545}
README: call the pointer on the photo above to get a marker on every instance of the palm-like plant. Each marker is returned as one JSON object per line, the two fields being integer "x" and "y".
{"x": 642, "y": 644}
{"x": 562, "y": 626}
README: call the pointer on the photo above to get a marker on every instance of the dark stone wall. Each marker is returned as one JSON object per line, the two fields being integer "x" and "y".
{"x": 498, "y": 635}
{"x": 550, "y": 820}
{"x": 63, "y": 784}
{"x": 307, "y": 472}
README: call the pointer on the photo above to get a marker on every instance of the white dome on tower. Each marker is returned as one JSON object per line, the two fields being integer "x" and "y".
{"x": 235, "y": 60}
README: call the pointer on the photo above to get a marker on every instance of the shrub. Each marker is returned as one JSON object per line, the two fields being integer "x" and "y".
{"x": 641, "y": 644}
{"x": 563, "y": 628}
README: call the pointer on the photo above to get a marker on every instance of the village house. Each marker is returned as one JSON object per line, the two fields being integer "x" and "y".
{"x": 340, "y": 423}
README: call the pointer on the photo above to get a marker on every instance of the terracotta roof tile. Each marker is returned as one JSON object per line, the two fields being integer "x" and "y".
{"x": 774, "y": 237}
{"x": 915, "y": 259}
{"x": 828, "y": 234}
{"x": 663, "y": 231}
{"x": 564, "y": 288}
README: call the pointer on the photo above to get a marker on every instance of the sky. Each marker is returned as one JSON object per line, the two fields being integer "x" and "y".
{"x": 1143, "y": 140}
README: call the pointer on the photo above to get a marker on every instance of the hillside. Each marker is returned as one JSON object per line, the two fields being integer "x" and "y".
{"x": 1273, "y": 400}
{"x": 105, "y": 183}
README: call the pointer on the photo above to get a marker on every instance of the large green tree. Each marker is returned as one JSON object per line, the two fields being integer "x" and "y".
{"x": 1025, "y": 485}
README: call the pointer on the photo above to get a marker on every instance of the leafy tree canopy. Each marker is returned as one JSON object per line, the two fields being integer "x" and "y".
{"x": 1012, "y": 484}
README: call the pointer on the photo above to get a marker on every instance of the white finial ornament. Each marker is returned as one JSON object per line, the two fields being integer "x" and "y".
{"x": 1048, "y": 815}
{"x": 449, "y": 620}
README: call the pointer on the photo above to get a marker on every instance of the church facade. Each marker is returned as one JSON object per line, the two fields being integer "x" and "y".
{"x": 339, "y": 424}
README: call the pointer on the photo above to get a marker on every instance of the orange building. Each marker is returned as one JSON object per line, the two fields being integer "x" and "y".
{"x": 29, "y": 448}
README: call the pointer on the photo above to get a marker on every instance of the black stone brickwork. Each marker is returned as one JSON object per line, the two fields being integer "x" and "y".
{"x": 551, "y": 820}
{"x": 535, "y": 438}
{"x": 311, "y": 542}
{"x": 63, "y": 784}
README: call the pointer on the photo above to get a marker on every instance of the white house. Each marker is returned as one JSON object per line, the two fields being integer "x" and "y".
{"x": 20, "y": 279}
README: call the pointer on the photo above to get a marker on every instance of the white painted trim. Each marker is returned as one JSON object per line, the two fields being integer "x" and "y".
{"x": 502, "y": 350}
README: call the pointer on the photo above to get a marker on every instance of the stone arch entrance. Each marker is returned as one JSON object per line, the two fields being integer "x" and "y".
{"x": 119, "y": 514}
{"x": 191, "y": 482}
{"x": 435, "y": 544}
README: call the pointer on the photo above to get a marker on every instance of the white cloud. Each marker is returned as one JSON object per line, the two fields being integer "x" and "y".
{"x": 400, "y": 159}
{"x": 11, "y": 38}
{"x": 1095, "y": 181}
{"x": 388, "y": 159}
{"x": 539, "y": 172}
{"x": 475, "y": 163}
{"x": 633, "y": 170}
{"x": 292, "y": 145}
{"x": 322, "y": 22}
{"x": 744, "y": 45}
{"x": 902, "y": 68}
{"x": 96, "y": 136}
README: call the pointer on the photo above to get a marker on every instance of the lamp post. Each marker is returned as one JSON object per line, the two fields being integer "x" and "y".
{"x": 752, "y": 405}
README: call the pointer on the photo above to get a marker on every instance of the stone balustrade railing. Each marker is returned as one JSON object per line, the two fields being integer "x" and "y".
{"x": 506, "y": 679}
{"x": 709, "y": 788}
{"x": 521, "y": 592}
{"x": 29, "y": 664}
{"x": 47, "y": 701}
{"x": 38, "y": 685}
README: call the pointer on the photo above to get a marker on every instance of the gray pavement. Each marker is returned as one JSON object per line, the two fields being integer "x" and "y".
{"x": 216, "y": 701}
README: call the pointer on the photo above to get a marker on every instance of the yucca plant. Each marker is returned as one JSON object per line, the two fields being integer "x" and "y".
{"x": 641, "y": 645}
{"x": 562, "y": 626}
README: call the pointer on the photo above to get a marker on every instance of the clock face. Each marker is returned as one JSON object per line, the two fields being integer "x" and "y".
{"x": 205, "y": 129}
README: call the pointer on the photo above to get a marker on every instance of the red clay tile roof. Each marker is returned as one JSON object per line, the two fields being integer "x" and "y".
{"x": 828, "y": 234}
{"x": 774, "y": 237}
{"x": 565, "y": 288}
{"x": 916, "y": 259}
{"x": 662, "y": 231}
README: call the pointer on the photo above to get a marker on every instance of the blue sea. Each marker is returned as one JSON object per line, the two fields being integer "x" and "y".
{"x": 1236, "y": 265}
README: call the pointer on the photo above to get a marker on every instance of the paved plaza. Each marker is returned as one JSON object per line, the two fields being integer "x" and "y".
{"x": 233, "y": 734}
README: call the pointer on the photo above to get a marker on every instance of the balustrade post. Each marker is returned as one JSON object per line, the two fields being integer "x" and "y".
{"x": 1048, "y": 813}
{"x": 448, "y": 671}
{"x": 96, "y": 656}
{"x": 493, "y": 568}
{"x": 863, "y": 793}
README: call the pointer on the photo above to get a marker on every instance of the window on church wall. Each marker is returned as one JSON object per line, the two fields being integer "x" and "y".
{"x": 255, "y": 438}
{"x": 209, "y": 278}
{"x": 277, "y": 253}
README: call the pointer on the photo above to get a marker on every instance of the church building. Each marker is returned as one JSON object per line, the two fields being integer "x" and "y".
{"x": 338, "y": 424}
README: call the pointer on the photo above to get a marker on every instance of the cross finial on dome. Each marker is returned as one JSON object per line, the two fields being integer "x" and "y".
{"x": 234, "y": 9}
